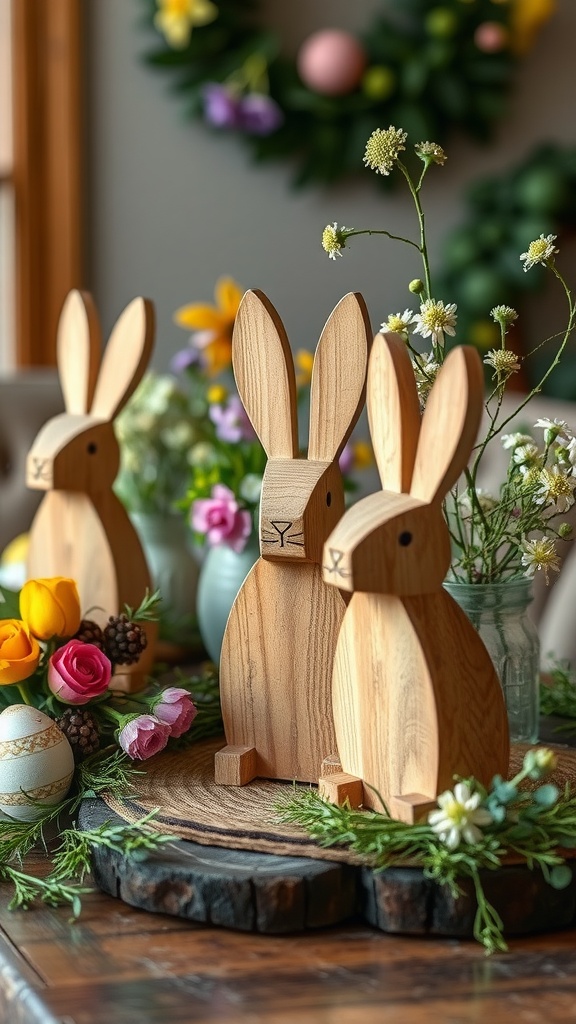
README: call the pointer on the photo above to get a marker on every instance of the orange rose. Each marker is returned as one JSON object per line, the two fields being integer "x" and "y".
{"x": 19, "y": 652}
{"x": 51, "y": 607}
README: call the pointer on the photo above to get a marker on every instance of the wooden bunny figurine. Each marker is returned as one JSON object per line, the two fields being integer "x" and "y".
{"x": 415, "y": 696}
{"x": 276, "y": 661}
{"x": 81, "y": 528}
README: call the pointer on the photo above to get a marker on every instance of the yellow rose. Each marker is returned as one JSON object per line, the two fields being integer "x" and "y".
{"x": 51, "y": 607}
{"x": 19, "y": 652}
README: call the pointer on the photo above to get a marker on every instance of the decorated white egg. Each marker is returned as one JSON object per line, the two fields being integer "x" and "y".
{"x": 36, "y": 762}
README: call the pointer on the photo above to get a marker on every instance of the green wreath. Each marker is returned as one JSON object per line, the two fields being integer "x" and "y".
{"x": 480, "y": 258}
{"x": 430, "y": 65}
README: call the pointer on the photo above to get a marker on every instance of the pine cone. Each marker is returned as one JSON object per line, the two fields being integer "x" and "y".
{"x": 90, "y": 633}
{"x": 81, "y": 731}
{"x": 124, "y": 641}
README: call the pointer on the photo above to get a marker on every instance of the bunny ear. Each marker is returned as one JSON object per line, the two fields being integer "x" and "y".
{"x": 264, "y": 373}
{"x": 449, "y": 425}
{"x": 126, "y": 357}
{"x": 393, "y": 411}
{"x": 339, "y": 378}
{"x": 79, "y": 342}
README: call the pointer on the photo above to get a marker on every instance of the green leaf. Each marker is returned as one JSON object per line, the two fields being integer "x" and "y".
{"x": 560, "y": 876}
{"x": 9, "y": 603}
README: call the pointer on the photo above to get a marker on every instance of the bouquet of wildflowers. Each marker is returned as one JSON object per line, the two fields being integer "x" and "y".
{"x": 515, "y": 532}
{"x": 227, "y": 465}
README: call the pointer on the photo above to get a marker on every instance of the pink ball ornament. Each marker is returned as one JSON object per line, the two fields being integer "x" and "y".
{"x": 331, "y": 62}
{"x": 491, "y": 37}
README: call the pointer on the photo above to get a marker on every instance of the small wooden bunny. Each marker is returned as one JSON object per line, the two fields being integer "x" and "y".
{"x": 416, "y": 699}
{"x": 276, "y": 662}
{"x": 81, "y": 529}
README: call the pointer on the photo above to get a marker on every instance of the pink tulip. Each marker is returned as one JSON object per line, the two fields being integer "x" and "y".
{"x": 176, "y": 709}
{"x": 143, "y": 736}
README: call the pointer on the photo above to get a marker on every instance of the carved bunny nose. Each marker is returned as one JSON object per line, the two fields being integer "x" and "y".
{"x": 335, "y": 569}
{"x": 38, "y": 472}
{"x": 282, "y": 538}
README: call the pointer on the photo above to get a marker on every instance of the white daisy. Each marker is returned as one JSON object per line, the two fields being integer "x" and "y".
{"x": 460, "y": 816}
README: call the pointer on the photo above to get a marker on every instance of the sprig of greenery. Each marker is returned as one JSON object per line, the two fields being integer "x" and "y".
{"x": 558, "y": 697}
{"x": 136, "y": 840}
{"x": 147, "y": 610}
{"x": 530, "y": 824}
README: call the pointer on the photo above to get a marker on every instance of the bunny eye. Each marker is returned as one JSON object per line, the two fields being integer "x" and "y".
{"x": 329, "y": 499}
{"x": 92, "y": 448}
{"x": 405, "y": 538}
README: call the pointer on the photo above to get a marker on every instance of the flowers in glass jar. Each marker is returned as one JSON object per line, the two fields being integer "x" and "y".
{"x": 517, "y": 531}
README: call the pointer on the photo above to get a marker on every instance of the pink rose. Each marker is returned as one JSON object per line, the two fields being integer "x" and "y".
{"x": 143, "y": 736}
{"x": 220, "y": 518}
{"x": 77, "y": 672}
{"x": 176, "y": 709}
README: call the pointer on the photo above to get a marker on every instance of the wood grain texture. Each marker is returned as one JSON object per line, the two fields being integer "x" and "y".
{"x": 264, "y": 374}
{"x": 393, "y": 411}
{"x": 122, "y": 964}
{"x": 79, "y": 344}
{"x": 416, "y": 702}
{"x": 338, "y": 378}
{"x": 81, "y": 528}
{"x": 450, "y": 424}
{"x": 301, "y": 502}
{"x": 276, "y": 669}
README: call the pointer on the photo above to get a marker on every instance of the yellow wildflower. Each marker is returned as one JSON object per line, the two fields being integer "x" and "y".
{"x": 216, "y": 394}
{"x": 175, "y": 19}
{"x": 216, "y": 324}
{"x": 304, "y": 361}
{"x": 526, "y": 19}
{"x": 362, "y": 455}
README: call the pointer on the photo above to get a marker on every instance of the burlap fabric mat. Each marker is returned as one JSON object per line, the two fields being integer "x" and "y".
{"x": 191, "y": 806}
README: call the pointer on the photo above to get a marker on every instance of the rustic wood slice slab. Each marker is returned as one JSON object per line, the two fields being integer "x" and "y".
{"x": 241, "y": 888}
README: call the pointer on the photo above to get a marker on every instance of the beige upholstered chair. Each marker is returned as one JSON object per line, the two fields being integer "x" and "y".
{"x": 27, "y": 400}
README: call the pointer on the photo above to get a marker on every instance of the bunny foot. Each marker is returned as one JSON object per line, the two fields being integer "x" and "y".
{"x": 340, "y": 788}
{"x": 235, "y": 766}
{"x": 411, "y": 807}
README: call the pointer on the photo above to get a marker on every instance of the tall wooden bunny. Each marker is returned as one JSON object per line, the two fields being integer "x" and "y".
{"x": 416, "y": 698}
{"x": 276, "y": 662}
{"x": 81, "y": 529}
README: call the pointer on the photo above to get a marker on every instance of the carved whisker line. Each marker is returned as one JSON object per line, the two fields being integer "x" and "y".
{"x": 296, "y": 543}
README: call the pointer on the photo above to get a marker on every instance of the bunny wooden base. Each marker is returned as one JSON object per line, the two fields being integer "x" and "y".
{"x": 278, "y": 724}
{"x": 443, "y": 724}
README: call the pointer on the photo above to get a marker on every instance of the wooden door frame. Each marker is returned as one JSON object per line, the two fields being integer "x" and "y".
{"x": 48, "y": 169}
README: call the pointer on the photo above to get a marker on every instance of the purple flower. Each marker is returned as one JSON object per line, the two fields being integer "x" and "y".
{"x": 259, "y": 114}
{"x": 143, "y": 736}
{"x": 183, "y": 359}
{"x": 231, "y": 422}
{"x": 176, "y": 709}
{"x": 220, "y": 518}
{"x": 346, "y": 460}
{"x": 221, "y": 107}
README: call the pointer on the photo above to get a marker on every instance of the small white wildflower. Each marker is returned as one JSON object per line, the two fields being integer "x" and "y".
{"x": 486, "y": 501}
{"x": 460, "y": 817}
{"x": 202, "y": 455}
{"x": 383, "y": 148}
{"x": 435, "y": 319}
{"x": 504, "y": 315}
{"x": 526, "y": 454}
{"x": 503, "y": 361}
{"x": 570, "y": 446}
{"x": 425, "y": 370}
{"x": 430, "y": 152}
{"x": 556, "y": 488}
{"x": 539, "y": 553}
{"x": 539, "y": 251}
{"x": 515, "y": 440}
{"x": 250, "y": 487}
{"x": 334, "y": 239}
{"x": 551, "y": 428}
{"x": 398, "y": 322}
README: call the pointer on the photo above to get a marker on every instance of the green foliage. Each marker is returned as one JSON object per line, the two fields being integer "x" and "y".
{"x": 424, "y": 70}
{"x": 480, "y": 266}
{"x": 532, "y": 825}
{"x": 558, "y": 696}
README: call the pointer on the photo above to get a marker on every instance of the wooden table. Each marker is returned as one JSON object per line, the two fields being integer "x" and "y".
{"x": 117, "y": 965}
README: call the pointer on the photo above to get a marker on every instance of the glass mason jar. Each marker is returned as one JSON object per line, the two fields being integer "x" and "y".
{"x": 499, "y": 611}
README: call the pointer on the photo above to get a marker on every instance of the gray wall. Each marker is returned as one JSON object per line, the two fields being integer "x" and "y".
{"x": 172, "y": 207}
